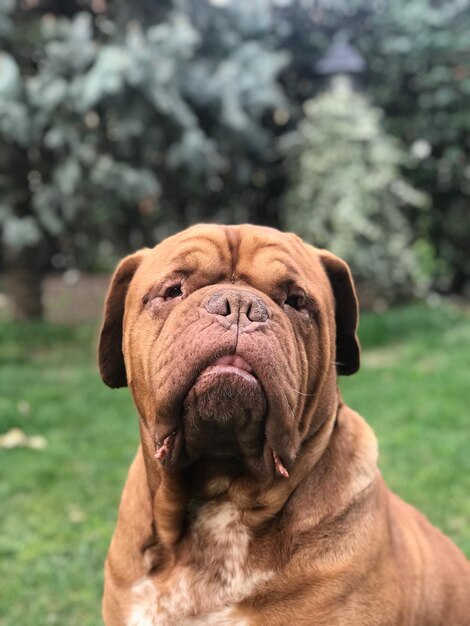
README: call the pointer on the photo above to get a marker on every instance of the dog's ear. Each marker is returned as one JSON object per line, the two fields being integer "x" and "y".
{"x": 110, "y": 356}
{"x": 346, "y": 313}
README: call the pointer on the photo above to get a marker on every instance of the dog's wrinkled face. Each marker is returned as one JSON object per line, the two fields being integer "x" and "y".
{"x": 230, "y": 337}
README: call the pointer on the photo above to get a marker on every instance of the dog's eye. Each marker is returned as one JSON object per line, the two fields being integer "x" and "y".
{"x": 174, "y": 291}
{"x": 296, "y": 301}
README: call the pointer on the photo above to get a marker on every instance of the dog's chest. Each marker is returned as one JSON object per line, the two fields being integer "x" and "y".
{"x": 202, "y": 587}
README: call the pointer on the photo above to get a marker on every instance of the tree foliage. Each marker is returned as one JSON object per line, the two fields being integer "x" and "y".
{"x": 116, "y": 132}
{"x": 347, "y": 192}
{"x": 418, "y": 62}
{"x": 121, "y": 122}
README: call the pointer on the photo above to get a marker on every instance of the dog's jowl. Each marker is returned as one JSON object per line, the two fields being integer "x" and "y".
{"x": 254, "y": 498}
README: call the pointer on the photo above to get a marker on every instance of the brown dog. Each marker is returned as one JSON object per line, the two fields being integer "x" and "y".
{"x": 255, "y": 497}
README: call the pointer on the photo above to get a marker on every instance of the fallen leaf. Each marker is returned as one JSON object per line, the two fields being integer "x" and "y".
{"x": 75, "y": 514}
{"x": 16, "y": 438}
{"x": 37, "y": 442}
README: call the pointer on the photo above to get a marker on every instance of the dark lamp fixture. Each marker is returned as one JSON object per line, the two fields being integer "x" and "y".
{"x": 341, "y": 58}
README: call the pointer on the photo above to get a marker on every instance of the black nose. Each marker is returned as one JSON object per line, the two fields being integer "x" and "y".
{"x": 238, "y": 306}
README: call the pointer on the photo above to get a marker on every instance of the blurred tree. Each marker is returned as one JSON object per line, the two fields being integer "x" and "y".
{"x": 123, "y": 121}
{"x": 125, "y": 135}
{"x": 347, "y": 193}
{"x": 423, "y": 49}
{"x": 418, "y": 59}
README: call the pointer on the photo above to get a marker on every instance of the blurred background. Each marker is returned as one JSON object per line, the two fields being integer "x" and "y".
{"x": 346, "y": 121}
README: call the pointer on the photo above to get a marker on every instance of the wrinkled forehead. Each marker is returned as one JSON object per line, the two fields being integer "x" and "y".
{"x": 237, "y": 252}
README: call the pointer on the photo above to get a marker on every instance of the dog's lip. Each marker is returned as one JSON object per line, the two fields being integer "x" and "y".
{"x": 235, "y": 360}
{"x": 279, "y": 466}
{"x": 231, "y": 364}
{"x": 163, "y": 448}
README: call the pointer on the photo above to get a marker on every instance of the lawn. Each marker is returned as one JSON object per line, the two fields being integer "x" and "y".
{"x": 59, "y": 504}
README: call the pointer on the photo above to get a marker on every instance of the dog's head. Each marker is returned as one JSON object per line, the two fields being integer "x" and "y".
{"x": 230, "y": 338}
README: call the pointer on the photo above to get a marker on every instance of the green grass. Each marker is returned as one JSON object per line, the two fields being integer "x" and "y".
{"x": 58, "y": 506}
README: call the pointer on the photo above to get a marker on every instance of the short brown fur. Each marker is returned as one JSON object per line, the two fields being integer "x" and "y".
{"x": 328, "y": 546}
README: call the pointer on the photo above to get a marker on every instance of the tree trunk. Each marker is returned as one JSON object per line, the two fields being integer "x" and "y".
{"x": 25, "y": 291}
{"x": 25, "y": 277}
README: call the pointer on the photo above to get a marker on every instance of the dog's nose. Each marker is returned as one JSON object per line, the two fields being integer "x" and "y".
{"x": 237, "y": 306}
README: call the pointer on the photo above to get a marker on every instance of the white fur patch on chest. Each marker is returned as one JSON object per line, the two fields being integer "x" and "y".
{"x": 203, "y": 588}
